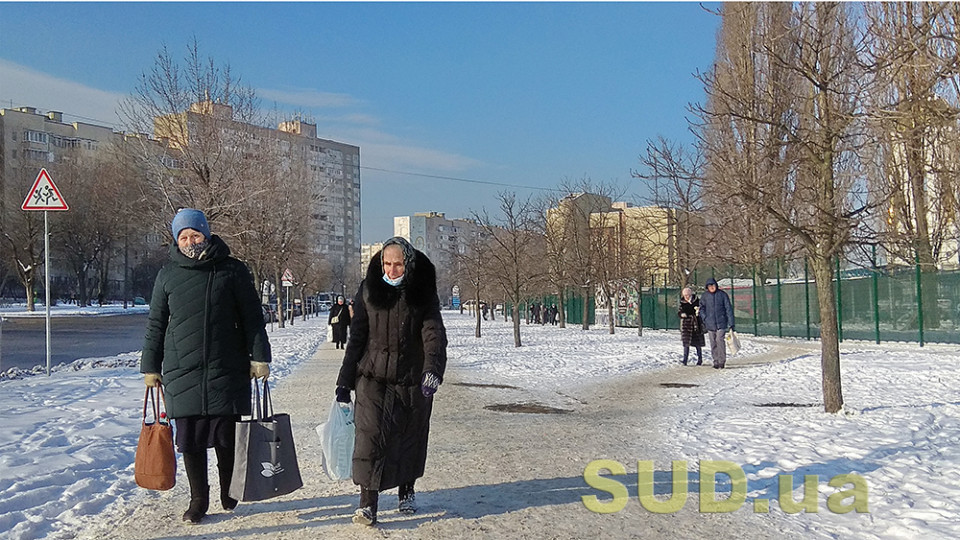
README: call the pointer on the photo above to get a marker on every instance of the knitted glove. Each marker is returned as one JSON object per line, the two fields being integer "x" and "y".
{"x": 430, "y": 383}
{"x": 152, "y": 379}
{"x": 259, "y": 370}
{"x": 343, "y": 394}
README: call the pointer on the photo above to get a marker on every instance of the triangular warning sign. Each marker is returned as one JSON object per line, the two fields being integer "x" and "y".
{"x": 44, "y": 195}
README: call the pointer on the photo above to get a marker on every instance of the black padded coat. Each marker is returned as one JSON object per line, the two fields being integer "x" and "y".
{"x": 205, "y": 327}
{"x": 396, "y": 336}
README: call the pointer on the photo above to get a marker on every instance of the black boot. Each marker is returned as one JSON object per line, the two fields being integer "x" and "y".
{"x": 366, "y": 514}
{"x": 225, "y": 468}
{"x": 195, "y": 463}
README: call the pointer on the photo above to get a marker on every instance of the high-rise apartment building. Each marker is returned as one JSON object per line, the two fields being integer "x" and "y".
{"x": 30, "y": 140}
{"x": 332, "y": 169}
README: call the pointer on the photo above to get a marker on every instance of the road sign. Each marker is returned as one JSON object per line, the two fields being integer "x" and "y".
{"x": 44, "y": 195}
{"x": 287, "y": 279}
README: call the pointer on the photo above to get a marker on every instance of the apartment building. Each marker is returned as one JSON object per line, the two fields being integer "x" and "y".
{"x": 30, "y": 140}
{"x": 332, "y": 169}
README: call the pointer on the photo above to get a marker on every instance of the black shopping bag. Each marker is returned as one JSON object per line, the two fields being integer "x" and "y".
{"x": 265, "y": 463}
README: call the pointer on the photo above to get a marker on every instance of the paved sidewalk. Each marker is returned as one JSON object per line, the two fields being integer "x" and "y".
{"x": 489, "y": 474}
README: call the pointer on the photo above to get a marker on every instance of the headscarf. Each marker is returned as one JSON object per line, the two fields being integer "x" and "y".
{"x": 409, "y": 254}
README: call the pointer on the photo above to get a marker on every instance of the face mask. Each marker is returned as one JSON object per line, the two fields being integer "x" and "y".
{"x": 393, "y": 282}
{"x": 194, "y": 251}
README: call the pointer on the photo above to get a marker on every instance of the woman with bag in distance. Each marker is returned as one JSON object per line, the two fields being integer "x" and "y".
{"x": 205, "y": 340}
{"x": 395, "y": 359}
{"x": 340, "y": 321}
{"x": 691, "y": 327}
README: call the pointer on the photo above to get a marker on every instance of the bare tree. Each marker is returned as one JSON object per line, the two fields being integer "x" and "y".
{"x": 201, "y": 115}
{"x": 470, "y": 269}
{"x": 914, "y": 108}
{"x": 86, "y": 235}
{"x": 514, "y": 251}
{"x": 675, "y": 176}
{"x": 787, "y": 85}
{"x": 572, "y": 216}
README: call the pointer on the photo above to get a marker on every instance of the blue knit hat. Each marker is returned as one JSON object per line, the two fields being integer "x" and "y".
{"x": 189, "y": 218}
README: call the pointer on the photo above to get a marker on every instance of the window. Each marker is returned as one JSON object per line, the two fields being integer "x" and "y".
{"x": 35, "y": 136}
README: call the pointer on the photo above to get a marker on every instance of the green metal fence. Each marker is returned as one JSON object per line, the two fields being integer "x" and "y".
{"x": 873, "y": 304}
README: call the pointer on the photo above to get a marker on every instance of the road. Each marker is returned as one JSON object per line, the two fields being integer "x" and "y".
{"x": 23, "y": 340}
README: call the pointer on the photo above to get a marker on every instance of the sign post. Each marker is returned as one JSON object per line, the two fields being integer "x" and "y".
{"x": 45, "y": 196}
{"x": 287, "y": 281}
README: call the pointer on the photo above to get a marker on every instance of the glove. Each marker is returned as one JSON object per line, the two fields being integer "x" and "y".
{"x": 343, "y": 394}
{"x": 152, "y": 379}
{"x": 430, "y": 383}
{"x": 259, "y": 370}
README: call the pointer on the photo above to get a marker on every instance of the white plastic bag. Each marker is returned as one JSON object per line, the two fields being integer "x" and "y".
{"x": 733, "y": 343}
{"x": 336, "y": 439}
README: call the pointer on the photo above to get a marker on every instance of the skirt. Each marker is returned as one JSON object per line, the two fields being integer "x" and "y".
{"x": 196, "y": 433}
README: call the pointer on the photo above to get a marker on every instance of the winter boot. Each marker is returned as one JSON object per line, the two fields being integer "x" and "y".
{"x": 366, "y": 514}
{"x": 195, "y": 464}
{"x": 408, "y": 500}
{"x": 225, "y": 468}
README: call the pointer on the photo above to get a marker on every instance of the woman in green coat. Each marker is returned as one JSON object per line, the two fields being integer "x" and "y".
{"x": 205, "y": 340}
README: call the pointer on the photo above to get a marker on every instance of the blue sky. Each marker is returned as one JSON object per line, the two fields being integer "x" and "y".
{"x": 528, "y": 94}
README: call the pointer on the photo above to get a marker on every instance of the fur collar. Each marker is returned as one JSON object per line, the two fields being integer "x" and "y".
{"x": 419, "y": 284}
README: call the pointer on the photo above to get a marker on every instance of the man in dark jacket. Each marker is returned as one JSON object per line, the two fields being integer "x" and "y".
{"x": 205, "y": 340}
{"x": 395, "y": 358}
{"x": 717, "y": 314}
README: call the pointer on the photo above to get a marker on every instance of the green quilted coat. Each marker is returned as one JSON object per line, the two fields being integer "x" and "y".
{"x": 204, "y": 329}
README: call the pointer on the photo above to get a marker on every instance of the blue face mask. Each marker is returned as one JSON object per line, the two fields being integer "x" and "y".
{"x": 393, "y": 282}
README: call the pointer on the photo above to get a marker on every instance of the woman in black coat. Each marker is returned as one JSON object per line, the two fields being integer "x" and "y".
{"x": 395, "y": 359}
{"x": 205, "y": 340}
{"x": 691, "y": 327}
{"x": 340, "y": 321}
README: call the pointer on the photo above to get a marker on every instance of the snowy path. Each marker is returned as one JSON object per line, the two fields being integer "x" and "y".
{"x": 489, "y": 474}
{"x": 66, "y": 442}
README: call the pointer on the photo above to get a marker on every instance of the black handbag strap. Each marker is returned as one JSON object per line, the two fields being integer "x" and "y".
{"x": 262, "y": 406}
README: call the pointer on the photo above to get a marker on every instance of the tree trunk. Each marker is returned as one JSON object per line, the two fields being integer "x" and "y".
{"x": 829, "y": 336}
{"x": 613, "y": 323}
{"x": 28, "y": 288}
{"x": 476, "y": 308}
{"x": 516, "y": 324}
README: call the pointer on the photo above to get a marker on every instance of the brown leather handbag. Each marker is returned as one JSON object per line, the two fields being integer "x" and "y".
{"x": 155, "y": 465}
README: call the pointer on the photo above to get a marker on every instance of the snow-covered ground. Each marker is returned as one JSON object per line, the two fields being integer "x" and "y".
{"x": 71, "y": 310}
{"x": 67, "y": 441}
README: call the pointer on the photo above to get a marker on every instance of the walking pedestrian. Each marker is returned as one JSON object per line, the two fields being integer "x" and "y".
{"x": 717, "y": 314}
{"x": 691, "y": 327}
{"x": 395, "y": 360}
{"x": 339, "y": 319}
{"x": 205, "y": 340}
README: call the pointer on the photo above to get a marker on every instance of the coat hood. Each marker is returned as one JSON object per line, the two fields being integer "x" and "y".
{"x": 419, "y": 282}
{"x": 712, "y": 281}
